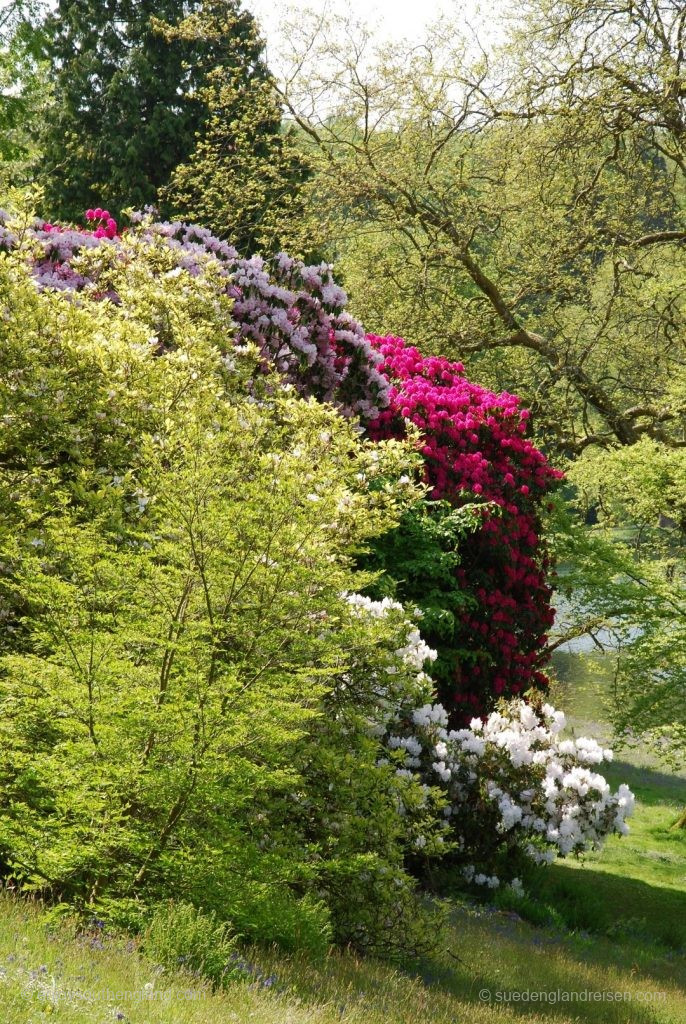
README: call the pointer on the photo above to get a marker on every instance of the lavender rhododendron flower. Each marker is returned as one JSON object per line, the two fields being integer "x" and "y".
{"x": 294, "y": 313}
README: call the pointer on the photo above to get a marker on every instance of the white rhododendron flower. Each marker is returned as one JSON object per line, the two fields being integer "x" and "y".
{"x": 509, "y": 780}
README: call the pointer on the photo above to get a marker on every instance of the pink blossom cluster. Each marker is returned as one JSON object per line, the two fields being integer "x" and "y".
{"x": 294, "y": 313}
{"x": 58, "y": 244}
{"x": 475, "y": 448}
{"x": 106, "y": 225}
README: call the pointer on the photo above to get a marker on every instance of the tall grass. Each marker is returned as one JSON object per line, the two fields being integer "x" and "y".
{"x": 49, "y": 973}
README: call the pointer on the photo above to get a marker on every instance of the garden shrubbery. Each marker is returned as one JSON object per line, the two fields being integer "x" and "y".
{"x": 489, "y": 619}
{"x": 476, "y": 452}
{"x": 205, "y": 470}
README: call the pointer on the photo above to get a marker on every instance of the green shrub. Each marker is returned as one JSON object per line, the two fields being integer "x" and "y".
{"x": 180, "y": 935}
{"x": 177, "y": 538}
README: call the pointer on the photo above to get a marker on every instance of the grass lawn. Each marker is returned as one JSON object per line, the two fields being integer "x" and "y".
{"x": 635, "y": 888}
{"x": 47, "y": 974}
{"x": 608, "y": 946}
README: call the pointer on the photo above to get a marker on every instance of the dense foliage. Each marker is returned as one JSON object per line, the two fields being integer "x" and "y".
{"x": 294, "y": 313}
{"x": 475, "y": 450}
{"x": 197, "y": 700}
{"x": 243, "y": 178}
{"x": 177, "y": 542}
{"x": 128, "y": 96}
{"x": 275, "y": 591}
{"x": 489, "y": 623}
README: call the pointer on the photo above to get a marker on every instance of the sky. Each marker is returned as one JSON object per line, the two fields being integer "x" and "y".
{"x": 393, "y": 19}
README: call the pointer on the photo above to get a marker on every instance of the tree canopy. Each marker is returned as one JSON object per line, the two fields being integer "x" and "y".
{"x": 129, "y": 100}
{"x": 522, "y": 209}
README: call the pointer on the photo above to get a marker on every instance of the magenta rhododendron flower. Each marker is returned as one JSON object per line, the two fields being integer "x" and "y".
{"x": 475, "y": 448}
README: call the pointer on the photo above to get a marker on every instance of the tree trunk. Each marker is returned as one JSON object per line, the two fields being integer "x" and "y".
{"x": 681, "y": 820}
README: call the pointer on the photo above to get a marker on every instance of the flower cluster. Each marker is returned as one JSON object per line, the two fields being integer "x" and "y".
{"x": 294, "y": 313}
{"x": 400, "y": 680}
{"x": 475, "y": 448}
{"x": 508, "y": 784}
{"x": 106, "y": 226}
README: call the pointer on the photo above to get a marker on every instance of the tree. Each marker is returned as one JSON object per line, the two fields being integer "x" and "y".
{"x": 525, "y": 210}
{"x": 128, "y": 96}
{"x": 637, "y": 589}
{"x": 526, "y": 205}
{"x": 24, "y": 89}
{"x": 244, "y": 175}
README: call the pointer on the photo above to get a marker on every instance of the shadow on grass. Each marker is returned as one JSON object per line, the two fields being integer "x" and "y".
{"x": 650, "y": 785}
{"x": 616, "y": 906}
{"x": 525, "y": 960}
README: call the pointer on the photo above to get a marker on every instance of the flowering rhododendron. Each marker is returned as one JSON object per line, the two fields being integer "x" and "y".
{"x": 511, "y": 781}
{"x": 475, "y": 447}
{"x": 294, "y": 313}
{"x": 152, "y": 419}
{"x": 56, "y": 246}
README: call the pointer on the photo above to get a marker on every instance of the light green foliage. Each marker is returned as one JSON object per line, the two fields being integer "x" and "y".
{"x": 637, "y": 585}
{"x": 243, "y": 176}
{"x": 180, "y": 936}
{"x": 522, "y": 206}
{"x": 242, "y": 179}
{"x": 518, "y": 206}
{"x": 24, "y": 89}
{"x": 178, "y": 537}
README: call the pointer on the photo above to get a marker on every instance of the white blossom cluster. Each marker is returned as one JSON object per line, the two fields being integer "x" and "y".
{"x": 403, "y": 680}
{"x": 513, "y": 774}
{"x": 536, "y": 789}
{"x": 376, "y": 609}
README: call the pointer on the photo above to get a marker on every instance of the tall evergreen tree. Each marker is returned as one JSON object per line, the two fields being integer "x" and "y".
{"x": 129, "y": 95}
{"x": 244, "y": 176}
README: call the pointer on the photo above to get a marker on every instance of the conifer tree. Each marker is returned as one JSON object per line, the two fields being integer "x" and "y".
{"x": 129, "y": 96}
{"x": 244, "y": 176}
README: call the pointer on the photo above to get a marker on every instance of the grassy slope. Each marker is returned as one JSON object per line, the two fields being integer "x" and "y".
{"x": 636, "y": 886}
{"x": 52, "y": 976}
{"x": 627, "y": 907}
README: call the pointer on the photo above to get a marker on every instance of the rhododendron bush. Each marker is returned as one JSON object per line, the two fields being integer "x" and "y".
{"x": 491, "y": 631}
{"x": 505, "y": 792}
{"x": 294, "y": 313}
{"x": 200, "y": 696}
{"x": 475, "y": 449}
